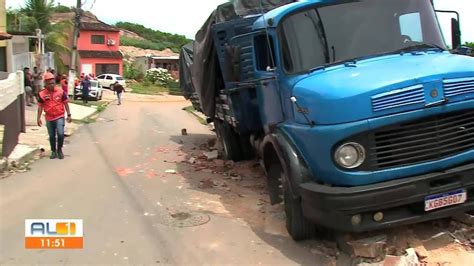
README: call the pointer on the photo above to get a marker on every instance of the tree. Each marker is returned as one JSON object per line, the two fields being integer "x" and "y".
{"x": 38, "y": 15}
{"x": 41, "y": 10}
{"x": 57, "y": 41}
{"x": 470, "y": 44}
{"x": 18, "y": 21}
{"x": 62, "y": 9}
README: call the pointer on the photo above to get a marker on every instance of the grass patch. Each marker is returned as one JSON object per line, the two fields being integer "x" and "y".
{"x": 141, "y": 88}
{"x": 85, "y": 121}
{"x": 191, "y": 110}
{"x": 149, "y": 89}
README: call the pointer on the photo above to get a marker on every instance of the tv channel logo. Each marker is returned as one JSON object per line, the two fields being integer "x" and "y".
{"x": 54, "y": 234}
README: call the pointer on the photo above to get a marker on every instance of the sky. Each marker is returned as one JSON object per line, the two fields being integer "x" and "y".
{"x": 185, "y": 17}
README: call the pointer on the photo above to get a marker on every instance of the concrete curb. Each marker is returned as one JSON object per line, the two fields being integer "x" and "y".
{"x": 199, "y": 115}
{"x": 22, "y": 154}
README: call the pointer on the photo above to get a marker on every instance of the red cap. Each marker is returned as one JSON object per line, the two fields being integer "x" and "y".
{"x": 48, "y": 76}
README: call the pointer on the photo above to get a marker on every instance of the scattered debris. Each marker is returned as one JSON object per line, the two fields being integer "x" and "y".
{"x": 409, "y": 258}
{"x": 465, "y": 237}
{"x": 211, "y": 143}
{"x": 192, "y": 160}
{"x": 219, "y": 163}
{"x": 236, "y": 177}
{"x": 373, "y": 247}
{"x": 206, "y": 183}
{"x": 171, "y": 171}
{"x": 465, "y": 218}
{"x": 211, "y": 155}
{"x": 438, "y": 241}
{"x": 124, "y": 172}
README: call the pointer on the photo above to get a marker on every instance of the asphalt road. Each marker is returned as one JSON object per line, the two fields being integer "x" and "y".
{"x": 114, "y": 179}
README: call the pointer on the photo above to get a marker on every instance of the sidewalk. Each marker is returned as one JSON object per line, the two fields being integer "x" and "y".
{"x": 34, "y": 141}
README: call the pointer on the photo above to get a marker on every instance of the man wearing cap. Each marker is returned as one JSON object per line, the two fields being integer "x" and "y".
{"x": 54, "y": 102}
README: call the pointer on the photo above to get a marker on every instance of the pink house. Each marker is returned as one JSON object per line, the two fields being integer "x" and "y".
{"x": 98, "y": 48}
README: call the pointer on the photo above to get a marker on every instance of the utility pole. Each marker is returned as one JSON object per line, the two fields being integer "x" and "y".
{"x": 73, "y": 66}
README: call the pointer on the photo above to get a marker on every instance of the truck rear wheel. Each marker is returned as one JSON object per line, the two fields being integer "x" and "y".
{"x": 298, "y": 226}
{"x": 230, "y": 141}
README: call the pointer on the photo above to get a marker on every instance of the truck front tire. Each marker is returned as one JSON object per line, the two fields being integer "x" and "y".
{"x": 298, "y": 226}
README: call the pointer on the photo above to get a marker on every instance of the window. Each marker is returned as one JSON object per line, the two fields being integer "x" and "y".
{"x": 352, "y": 30}
{"x": 264, "y": 52}
{"x": 410, "y": 26}
{"x": 109, "y": 78}
{"x": 98, "y": 39}
{"x": 101, "y": 77}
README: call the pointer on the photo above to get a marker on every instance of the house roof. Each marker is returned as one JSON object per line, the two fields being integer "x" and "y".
{"x": 5, "y": 36}
{"x": 101, "y": 54}
{"x": 98, "y": 26}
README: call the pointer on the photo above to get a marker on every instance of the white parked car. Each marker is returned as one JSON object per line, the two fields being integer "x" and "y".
{"x": 108, "y": 80}
{"x": 95, "y": 91}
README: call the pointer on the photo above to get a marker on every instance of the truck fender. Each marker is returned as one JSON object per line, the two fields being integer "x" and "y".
{"x": 277, "y": 148}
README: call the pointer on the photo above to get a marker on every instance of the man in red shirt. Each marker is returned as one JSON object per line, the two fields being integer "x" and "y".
{"x": 53, "y": 101}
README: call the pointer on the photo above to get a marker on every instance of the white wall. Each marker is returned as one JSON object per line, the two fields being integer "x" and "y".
{"x": 10, "y": 89}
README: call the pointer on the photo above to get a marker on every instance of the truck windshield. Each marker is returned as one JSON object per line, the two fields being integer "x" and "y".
{"x": 357, "y": 29}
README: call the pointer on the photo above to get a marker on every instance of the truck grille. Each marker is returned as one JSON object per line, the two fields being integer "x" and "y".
{"x": 456, "y": 87}
{"x": 398, "y": 98}
{"x": 427, "y": 139}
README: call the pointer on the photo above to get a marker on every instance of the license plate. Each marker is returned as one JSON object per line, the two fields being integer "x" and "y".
{"x": 446, "y": 199}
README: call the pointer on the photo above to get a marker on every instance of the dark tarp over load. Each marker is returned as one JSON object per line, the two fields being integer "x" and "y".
{"x": 202, "y": 63}
{"x": 185, "y": 63}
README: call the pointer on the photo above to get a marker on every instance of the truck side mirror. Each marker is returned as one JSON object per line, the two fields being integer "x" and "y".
{"x": 456, "y": 33}
{"x": 232, "y": 62}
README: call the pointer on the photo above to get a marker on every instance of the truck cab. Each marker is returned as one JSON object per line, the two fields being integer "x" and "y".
{"x": 360, "y": 115}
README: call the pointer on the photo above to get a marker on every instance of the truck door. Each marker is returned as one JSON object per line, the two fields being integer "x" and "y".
{"x": 268, "y": 91}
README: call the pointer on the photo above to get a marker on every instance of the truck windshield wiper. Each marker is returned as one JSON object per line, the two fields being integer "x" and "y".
{"x": 420, "y": 47}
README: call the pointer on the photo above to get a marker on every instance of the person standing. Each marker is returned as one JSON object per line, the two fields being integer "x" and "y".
{"x": 54, "y": 102}
{"x": 85, "y": 85}
{"x": 37, "y": 81}
{"x": 28, "y": 86}
{"x": 119, "y": 89}
{"x": 64, "y": 85}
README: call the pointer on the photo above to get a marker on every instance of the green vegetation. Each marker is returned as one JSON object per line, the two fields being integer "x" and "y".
{"x": 101, "y": 106}
{"x": 150, "y": 89}
{"x": 144, "y": 44}
{"x": 37, "y": 14}
{"x": 147, "y": 88}
{"x": 62, "y": 9}
{"x": 130, "y": 72}
{"x": 191, "y": 110}
{"x": 155, "y": 39}
{"x": 470, "y": 44}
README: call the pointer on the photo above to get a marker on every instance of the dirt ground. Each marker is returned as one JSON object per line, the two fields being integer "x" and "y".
{"x": 242, "y": 188}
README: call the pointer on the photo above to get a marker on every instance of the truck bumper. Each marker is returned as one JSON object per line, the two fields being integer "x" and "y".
{"x": 401, "y": 201}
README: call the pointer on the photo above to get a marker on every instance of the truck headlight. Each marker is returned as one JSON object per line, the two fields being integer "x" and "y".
{"x": 350, "y": 155}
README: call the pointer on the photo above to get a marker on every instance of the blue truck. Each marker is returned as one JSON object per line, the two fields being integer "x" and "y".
{"x": 359, "y": 114}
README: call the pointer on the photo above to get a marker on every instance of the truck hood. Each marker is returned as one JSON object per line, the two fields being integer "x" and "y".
{"x": 382, "y": 86}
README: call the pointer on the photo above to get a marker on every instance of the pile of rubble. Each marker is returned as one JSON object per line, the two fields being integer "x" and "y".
{"x": 428, "y": 243}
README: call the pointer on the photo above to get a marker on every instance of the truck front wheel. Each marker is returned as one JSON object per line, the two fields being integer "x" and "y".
{"x": 298, "y": 226}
